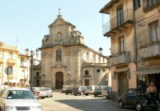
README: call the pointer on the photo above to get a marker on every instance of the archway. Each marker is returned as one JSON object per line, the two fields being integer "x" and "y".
{"x": 59, "y": 80}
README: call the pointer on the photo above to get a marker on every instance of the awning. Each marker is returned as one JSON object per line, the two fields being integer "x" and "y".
{"x": 148, "y": 70}
{"x": 121, "y": 69}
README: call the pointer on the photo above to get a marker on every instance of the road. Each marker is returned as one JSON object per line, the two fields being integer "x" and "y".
{"x": 63, "y": 102}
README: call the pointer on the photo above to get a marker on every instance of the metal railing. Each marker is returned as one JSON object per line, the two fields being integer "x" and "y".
{"x": 150, "y": 50}
{"x": 147, "y": 4}
{"x": 122, "y": 58}
{"x": 113, "y": 23}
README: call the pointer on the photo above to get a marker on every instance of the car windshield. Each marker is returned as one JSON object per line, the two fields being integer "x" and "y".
{"x": 20, "y": 94}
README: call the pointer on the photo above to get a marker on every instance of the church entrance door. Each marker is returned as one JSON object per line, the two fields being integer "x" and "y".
{"x": 59, "y": 80}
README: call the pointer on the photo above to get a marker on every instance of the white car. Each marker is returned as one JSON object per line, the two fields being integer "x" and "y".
{"x": 18, "y": 99}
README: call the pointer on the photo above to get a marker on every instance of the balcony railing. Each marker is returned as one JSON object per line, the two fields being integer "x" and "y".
{"x": 147, "y": 6}
{"x": 150, "y": 50}
{"x": 113, "y": 23}
{"x": 123, "y": 58}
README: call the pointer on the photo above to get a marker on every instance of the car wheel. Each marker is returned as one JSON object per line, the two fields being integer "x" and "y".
{"x": 95, "y": 95}
{"x": 138, "y": 107}
{"x": 120, "y": 104}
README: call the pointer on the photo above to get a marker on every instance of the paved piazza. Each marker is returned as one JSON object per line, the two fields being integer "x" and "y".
{"x": 63, "y": 102}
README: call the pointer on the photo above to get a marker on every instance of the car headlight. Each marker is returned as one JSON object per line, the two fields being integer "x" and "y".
{"x": 10, "y": 108}
{"x": 37, "y": 108}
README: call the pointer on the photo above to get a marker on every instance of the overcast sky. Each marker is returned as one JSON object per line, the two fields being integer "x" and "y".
{"x": 25, "y": 22}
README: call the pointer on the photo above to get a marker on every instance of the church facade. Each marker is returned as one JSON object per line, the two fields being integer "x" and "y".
{"x": 66, "y": 60}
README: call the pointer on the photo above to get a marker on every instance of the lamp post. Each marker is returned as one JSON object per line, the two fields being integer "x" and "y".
{"x": 43, "y": 75}
{"x": 32, "y": 63}
{"x": 69, "y": 77}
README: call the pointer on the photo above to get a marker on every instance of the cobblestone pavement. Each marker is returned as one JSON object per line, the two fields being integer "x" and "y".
{"x": 63, "y": 102}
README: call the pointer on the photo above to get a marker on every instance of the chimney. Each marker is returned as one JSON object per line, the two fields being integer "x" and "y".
{"x": 100, "y": 50}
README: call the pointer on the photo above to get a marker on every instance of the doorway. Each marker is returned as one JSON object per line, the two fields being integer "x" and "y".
{"x": 122, "y": 82}
{"x": 59, "y": 80}
{"x": 86, "y": 82}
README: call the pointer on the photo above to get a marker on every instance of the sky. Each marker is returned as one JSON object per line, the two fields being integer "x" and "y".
{"x": 23, "y": 23}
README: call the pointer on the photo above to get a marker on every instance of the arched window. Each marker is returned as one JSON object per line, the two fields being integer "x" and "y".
{"x": 58, "y": 55}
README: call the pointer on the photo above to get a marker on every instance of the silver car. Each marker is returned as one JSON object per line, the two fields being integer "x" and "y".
{"x": 18, "y": 99}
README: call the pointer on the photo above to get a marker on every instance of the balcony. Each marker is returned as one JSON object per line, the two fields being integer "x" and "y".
{"x": 11, "y": 61}
{"x": 114, "y": 26}
{"x": 151, "y": 50}
{"x": 123, "y": 58}
{"x": 149, "y": 6}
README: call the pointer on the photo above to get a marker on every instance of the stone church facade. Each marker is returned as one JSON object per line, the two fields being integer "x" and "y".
{"x": 66, "y": 60}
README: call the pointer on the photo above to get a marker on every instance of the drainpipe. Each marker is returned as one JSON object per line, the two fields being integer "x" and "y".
{"x": 135, "y": 40}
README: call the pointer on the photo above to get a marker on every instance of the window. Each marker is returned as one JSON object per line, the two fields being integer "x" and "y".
{"x": 86, "y": 72}
{"x": 121, "y": 44}
{"x": 153, "y": 31}
{"x": 58, "y": 55}
{"x": 120, "y": 16}
{"x": 59, "y": 35}
{"x": 151, "y": 3}
{"x": 137, "y": 4}
{"x": 37, "y": 74}
{"x": 98, "y": 70}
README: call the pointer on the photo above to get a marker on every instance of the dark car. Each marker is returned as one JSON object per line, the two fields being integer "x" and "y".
{"x": 137, "y": 99}
{"x": 79, "y": 90}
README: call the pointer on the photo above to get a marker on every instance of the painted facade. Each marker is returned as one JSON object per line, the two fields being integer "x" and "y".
{"x": 19, "y": 64}
{"x": 120, "y": 29}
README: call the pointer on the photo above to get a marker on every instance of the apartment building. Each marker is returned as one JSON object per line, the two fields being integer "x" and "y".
{"x": 120, "y": 29}
{"x": 148, "y": 42}
{"x": 17, "y": 63}
{"x": 134, "y": 29}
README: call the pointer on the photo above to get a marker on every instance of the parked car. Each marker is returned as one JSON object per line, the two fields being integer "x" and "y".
{"x": 49, "y": 91}
{"x": 79, "y": 90}
{"x": 107, "y": 92}
{"x": 18, "y": 99}
{"x": 134, "y": 98}
{"x": 91, "y": 90}
{"x": 42, "y": 92}
{"x": 67, "y": 89}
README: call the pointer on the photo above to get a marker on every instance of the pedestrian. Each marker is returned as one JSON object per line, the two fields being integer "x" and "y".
{"x": 152, "y": 90}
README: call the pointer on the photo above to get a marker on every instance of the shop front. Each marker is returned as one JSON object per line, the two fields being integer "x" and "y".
{"x": 147, "y": 75}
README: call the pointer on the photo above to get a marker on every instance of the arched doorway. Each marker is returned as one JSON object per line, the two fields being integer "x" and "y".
{"x": 59, "y": 80}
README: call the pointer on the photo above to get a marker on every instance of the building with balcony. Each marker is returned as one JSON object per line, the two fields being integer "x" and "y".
{"x": 18, "y": 64}
{"x": 120, "y": 29}
{"x": 140, "y": 39}
{"x": 66, "y": 60}
{"x": 148, "y": 42}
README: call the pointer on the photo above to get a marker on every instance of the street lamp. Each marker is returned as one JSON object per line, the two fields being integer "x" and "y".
{"x": 32, "y": 63}
{"x": 43, "y": 75}
{"x": 69, "y": 77}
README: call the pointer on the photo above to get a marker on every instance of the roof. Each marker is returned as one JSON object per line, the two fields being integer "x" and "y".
{"x": 108, "y": 6}
{"x": 59, "y": 18}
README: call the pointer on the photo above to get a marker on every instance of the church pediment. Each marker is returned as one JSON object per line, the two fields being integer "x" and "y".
{"x": 60, "y": 21}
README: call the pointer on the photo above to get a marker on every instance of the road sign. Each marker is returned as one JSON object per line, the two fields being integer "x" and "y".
{"x": 8, "y": 70}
